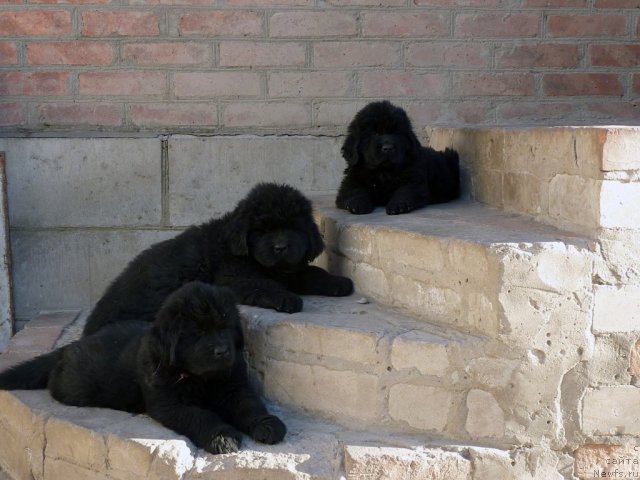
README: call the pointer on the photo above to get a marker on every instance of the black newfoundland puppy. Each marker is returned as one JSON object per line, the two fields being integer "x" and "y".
{"x": 186, "y": 370}
{"x": 387, "y": 166}
{"x": 261, "y": 250}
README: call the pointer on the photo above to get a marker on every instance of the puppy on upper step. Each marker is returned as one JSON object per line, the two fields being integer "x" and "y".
{"x": 387, "y": 166}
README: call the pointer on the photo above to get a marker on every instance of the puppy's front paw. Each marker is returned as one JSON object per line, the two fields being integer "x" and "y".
{"x": 396, "y": 207}
{"x": 227, "y": 440}
{"x": 268, "y": 429}
{"x": 359, "y": 205}
{"x": 288, "y": 303}
{"x": 341, "y": 287}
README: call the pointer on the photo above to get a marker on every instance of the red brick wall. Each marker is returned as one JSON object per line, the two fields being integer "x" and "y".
{"x": 306, "y": 66}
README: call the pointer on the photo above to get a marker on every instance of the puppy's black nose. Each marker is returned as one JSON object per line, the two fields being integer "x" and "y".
{"x": 280, "y": 247}
{"x": 387, "y": 148}
{"x": 220, "y": 351}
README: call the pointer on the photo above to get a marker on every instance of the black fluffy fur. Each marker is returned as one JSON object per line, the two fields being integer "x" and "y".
{"x": 186, "y": 370}
{"x": 261, "y": 250}
{"x": 387, "y": 166}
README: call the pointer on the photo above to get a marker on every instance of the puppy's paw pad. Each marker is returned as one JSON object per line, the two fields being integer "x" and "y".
{"x": 398, "y": 208}
{"x": 269, "y": 429}
{"x": 227, "y": 441}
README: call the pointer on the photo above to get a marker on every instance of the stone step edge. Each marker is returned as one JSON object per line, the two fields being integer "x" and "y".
{"x": 44, "y": 439}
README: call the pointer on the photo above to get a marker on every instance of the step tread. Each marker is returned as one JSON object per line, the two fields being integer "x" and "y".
{"x": 461, "y": 219}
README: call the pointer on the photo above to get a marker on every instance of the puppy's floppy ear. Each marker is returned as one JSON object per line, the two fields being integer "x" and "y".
{"x": 166, "y": 335}
{"x": 350, "y": 149}
{"x": 316, "y": 244}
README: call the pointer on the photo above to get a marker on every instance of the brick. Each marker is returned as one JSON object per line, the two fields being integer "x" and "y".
{"x": 495, "y": 84}
{"x": 74, "y": 2}
{"x": 538, "y": 55}
{"x": 406, "y": 403}
{"x": 270, "y": 3}
{"x": 618, "y": 147}
{"x": 495, "y": 25}
{"x": 367, "y": 54}
{"x": 611, "y": 410}
{"x": 554, "y": 3}
{"x": 367, "y": 3}
{"x": 216, "y": 84}
{"x": 527, "y": 112}
{"x": 617, "y": 3}
{"x": 34, "y": 83}
{"x": 448, "y": 54}
{"x": 559, "y": 84}
{"x": 166, "y": 53}
{"x": 121, "y": 83}
{"x": 636, "y": 84}
{"x": 8, "y": 53}
{"x": 311, "y": 84}
{"x": 267, "y": 114}
{"x": 616, "y": 309}
{"x": 586, "y": 25}
{"x": 79, "y": 114}
{"x": 393, "y": 24}
{"x": 461, "y": 112}
{"x": 166, "y": 114}
{"x": 401, "y": 84}
{"x": 69, "y": 53}
{"x": 129, "y": 23}
{"x": 260, "y": 54}
{"x": 614, "y": 55}
{"x": 11, "y": 114}
{"x": 312, "y": 24}
{"x": 614, "y": 111}
{"x": 458, "y": 3}
{"x": 221, "y": 23}
{"x": 35, "y": 22}
{"x": 606, "y": 461}
{"x": 336, "y": 113}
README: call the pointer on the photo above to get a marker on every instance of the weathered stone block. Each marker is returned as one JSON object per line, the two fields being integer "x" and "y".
{"x": 344, "y": 395}
{"x": 619, "y": 205}
{"x": 620, "y": 149}
{"x": 202, "y": 169}
{"x": 401, "y": 464}
{"x": 59, "y": 468}
{"x": 80, "y": 446}
{"x": 407, "y": 403}
{"x": 616, "y": 309}
{"x": 607, "y": 461}
{"x": 574, "y": 202}
{"x": 83, "y": 182}
{"x": 485, "y": 418}
{"x": 422, "y": 351}
{"x": 611, "y": 410}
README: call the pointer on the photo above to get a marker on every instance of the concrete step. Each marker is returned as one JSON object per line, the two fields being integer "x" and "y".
{"x": 364, "y": 366}
{"x": 44, "y": 439}
{"x": 460, "y": 264}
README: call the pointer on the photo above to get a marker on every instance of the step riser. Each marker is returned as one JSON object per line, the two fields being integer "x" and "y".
{"x": 581, "y": 179}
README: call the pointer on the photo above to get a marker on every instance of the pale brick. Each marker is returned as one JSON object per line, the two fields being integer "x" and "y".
{"x": 324, "y": 341}
{"x": 448, "y": 54}
{"x": 403, "y": 84}
{"x": 335, "y": 113}
{"x": 179, "y": 114}
{"x": 617, "y": 308}
{"x": 310, "y": 84}
{"x": 573, "y": 201}
{"x": 485, "y": 418}
{"x": 232, "y": 23}
{"x": 489, "y": 25}
{"x": 121, "y": 83}
{"x": 216, "y": 84}
{"x": 312, "y": 24}
{"x": 634, "y": 359}
{"x": 611, "y": 411}
{"x": 619, "y": 205}
{"x": 35, "y": 22}
{"x": 80, "y": 446}
{"x": 351, "y": 54}
{"x": 584, "y": 84}
{"x": 266, "y": 114}
{"x": 91, "y": 114}
{"x": 166, "y": 53}
{"x": 620, "y": 148}
{"x": 356, "y": 243}
{"x": 369, "y": 280}
{"x": 259, "y": 54}
{"x": 69, "y": 53}
{"x": 344, "y": 395}
{"x": 400, "y": 24}
{"x": 389, "y": 463}
{"x": 422, "y": 351}
{"x": 407, "y": 404}
{"x": 97, "y": 23}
